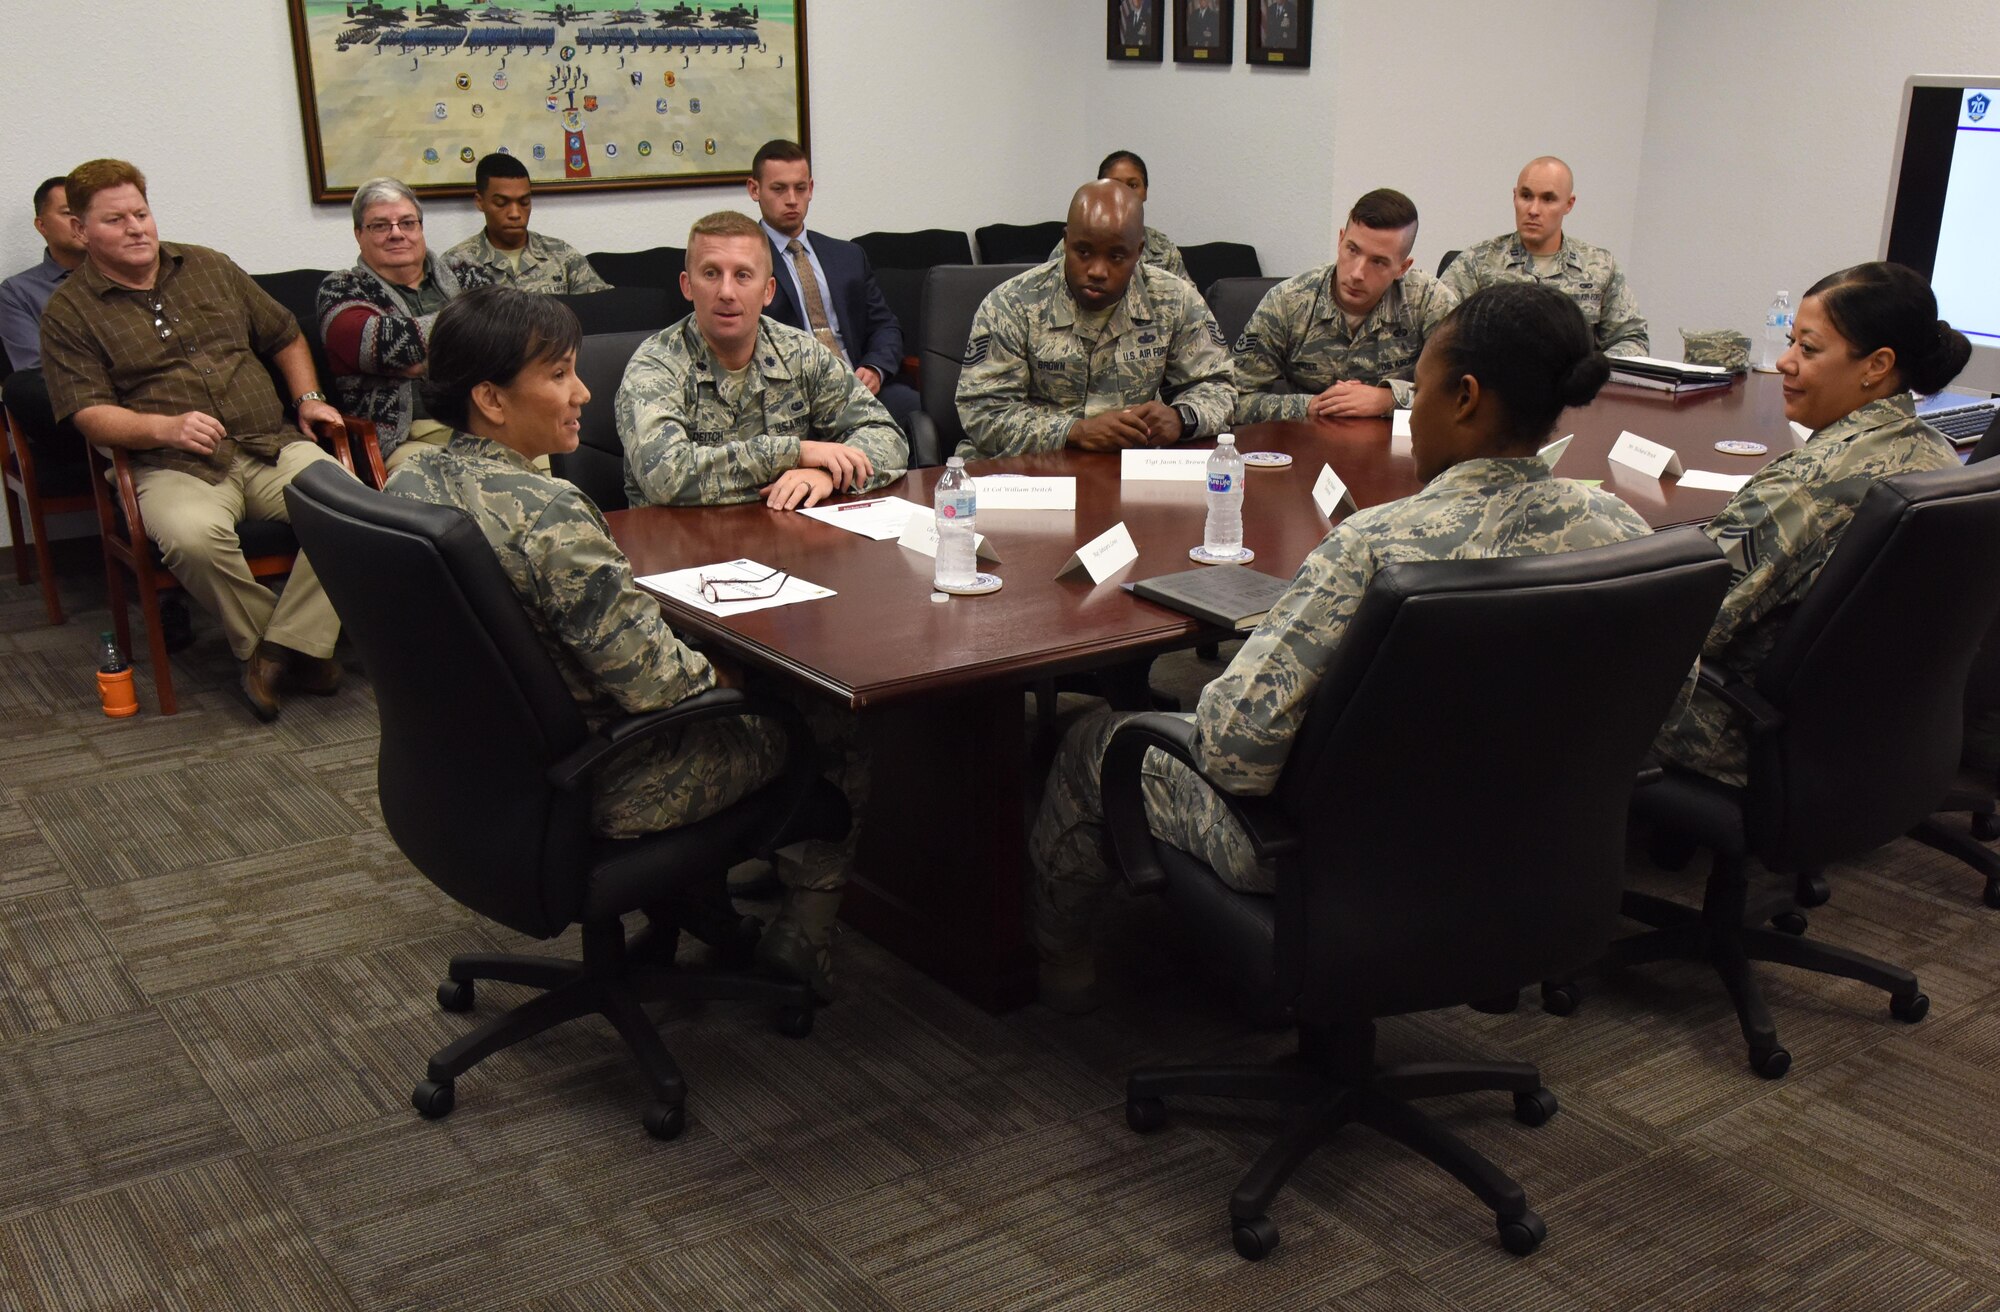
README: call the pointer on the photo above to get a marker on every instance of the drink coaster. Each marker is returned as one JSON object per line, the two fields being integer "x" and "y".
{"x": 1741, "y": 448}
{"x": 1266, "y": 459}
{"x": 1200, "y": 556}
{"x": 981, "y": 585}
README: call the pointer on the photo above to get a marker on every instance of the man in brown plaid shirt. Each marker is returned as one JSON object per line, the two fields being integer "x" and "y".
{"x": 155, "y": 347}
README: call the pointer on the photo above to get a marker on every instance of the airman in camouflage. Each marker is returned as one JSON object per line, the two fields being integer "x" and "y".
{"x": 1778, "y": 531}
{"x": 1345, "y": 338}
{"x": 1538, "y": 251}
{"x": 544, "y": 264}
{"x": 1093, "y": 350}
{"x": 1159, "y": 253}
{"x": 726, "y": 405}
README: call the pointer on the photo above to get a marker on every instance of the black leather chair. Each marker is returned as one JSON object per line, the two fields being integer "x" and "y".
{"x": 1017, "y": 243}
{"x": 485, "y": 767}
{"x": 298, "y": 291}
{"x": 952, "y": 293}
{"x": 658, "y": 266}
{"x": 1233, "y": 300}
{"x": 626, "y": 309}
{"x": 1445, "y": 263}
{"x": 598, "y": 463}
{"x": 915, "y": 250}
{"x": 1383, "y": 908}
{"x": 1854, "y": 723}
{"x": 1220, "y": 259}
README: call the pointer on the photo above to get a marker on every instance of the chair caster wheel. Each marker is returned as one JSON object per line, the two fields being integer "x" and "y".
{"x": 1985, "y": 826}
{"x": 1993, "y": 894}
{"x": 1789, "y": 922}
{"x": 1255, "y": 1237}
{"x": 795, "y": 1022}
{"x": 1911, "y": 1008}
{"x": 1811, "y": 891}
{"x": 455, "y": 995}
{"x": 1532, "y": 1109}
{"x": 1771, "y": 1062}
{"x": 433, "y": 1099}
{"x": 1523, "y": 1234}
{"x": 1560, "y": 999}
{"x": 664, "y": 1120}
{"x": 1145, "y": 1115}
{"x": 1499, "y": 1006}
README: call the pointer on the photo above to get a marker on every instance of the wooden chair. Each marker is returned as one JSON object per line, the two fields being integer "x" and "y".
{"x": 38, "y": 492}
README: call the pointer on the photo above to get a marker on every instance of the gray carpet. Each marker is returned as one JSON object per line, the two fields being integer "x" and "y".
{"x": 216, "y": 980}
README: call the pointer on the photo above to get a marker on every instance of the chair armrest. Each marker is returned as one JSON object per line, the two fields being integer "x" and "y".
{"x": 923, "y": 441}
{"x": 1271, "y": 834}
{"x": 128, "y": 497}
{"x": 367, "y": 460}
{"x": 1736, "y": 692}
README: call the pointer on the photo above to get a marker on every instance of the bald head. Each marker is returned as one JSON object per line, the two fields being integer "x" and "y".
{"x": 1102, "y": 242}
{"x": 1544, "y": 194}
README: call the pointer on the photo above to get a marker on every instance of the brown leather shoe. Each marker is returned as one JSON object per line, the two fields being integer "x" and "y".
{"x": 318, "y": 675}
{"x": 260, "y": 681}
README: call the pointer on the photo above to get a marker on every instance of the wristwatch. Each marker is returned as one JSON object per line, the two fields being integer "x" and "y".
{"x": 308, "y": 396}
{"x": 1189, "y": 421}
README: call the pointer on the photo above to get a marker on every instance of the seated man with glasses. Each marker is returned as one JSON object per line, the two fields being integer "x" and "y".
{"x": 375, "y": 318}
{"x": 159, "y": 348}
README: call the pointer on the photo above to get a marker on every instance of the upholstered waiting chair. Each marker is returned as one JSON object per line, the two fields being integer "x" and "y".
{"x": 37, "y": 488}
{"x": 485, "y": 767}
{"x": 1527, "y": 690}
{"x": 952, "y": 294}
{"x": 1854, "y": 724}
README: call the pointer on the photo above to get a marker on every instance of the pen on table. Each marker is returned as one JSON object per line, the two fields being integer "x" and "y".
{"x": 856, "y": 505}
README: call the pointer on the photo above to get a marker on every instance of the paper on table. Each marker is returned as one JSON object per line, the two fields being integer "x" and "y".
{"x": 1800, "y": 429}
{"x": 1399, "y": 423}
{"x": 881, "y": 518}
{"x": 1709, "y": 480}
{"x": 684, "y": 586}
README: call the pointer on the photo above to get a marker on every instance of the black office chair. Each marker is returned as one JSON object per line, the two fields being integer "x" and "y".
{"x": 298, "y": 291}
{"x": 1854, "y": 723}
{"x": 1017, "y": 243}
{"x": 915, "y": 250}
{"x": 657, "y": 266}
{"x": 1445, "y": 263}
{"x": 598, "y": 463}
{"x": 626, "y": 309}
{"x": 1380, "y": 908}
{"x": 1220, "y": 259}
{"x": 1233, "y": 300}
{"x": 952, "y": 293}
{"x": 485, "y": 767}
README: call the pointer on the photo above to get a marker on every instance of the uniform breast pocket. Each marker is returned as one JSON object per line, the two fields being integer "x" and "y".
{"x": 1589, "y": 298}
{"x": 1057, "y": 375}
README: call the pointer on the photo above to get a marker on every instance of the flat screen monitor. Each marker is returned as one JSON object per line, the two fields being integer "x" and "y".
{"x": 1944, "y": 208}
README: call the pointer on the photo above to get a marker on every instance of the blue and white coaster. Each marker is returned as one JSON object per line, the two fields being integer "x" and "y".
{"x": 1201, "y": 556}
{"x": 981, "y": 585}
{"x": 1735, "y": 448}
{"x": 1267, "y": 459}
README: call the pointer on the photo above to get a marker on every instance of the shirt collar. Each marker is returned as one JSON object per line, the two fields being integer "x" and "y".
{"x": 101, "y": 285}
{"x": 1866, "y": 418}
{"x": 765, "y": 358}
{"x": 1492, "y": 472}
{"x": 1134, "y": 307}
{"x": 1519, "y": 256}
{"x": 473, "y": 446}
{"x": 530, "y": 252}
{"x": 781, "y": 241}
{"x": 1381, "y": 309}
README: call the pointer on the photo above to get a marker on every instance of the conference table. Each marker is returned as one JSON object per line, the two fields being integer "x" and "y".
{"x": 940, "y": 875}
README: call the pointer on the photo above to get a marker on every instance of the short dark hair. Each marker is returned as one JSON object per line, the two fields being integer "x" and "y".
{"x": 1530, "y": 347}
{"x": 1127, "y": 157}
{"x": 1881, "y": 304}
{"x": 780, "y": 149}
{"x": 42, "y": 193}
{"x": 489, "y": 335}
{"x": 499, "y": 164}
{"x": 1384, "y": 209}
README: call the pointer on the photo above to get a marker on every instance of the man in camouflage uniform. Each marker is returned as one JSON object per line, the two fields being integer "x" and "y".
{"x": 1345, "y": 338}
{"x": 1778, "y": 531}
{"x": 531, "y": 261}
{"x": 1093, "y": 351}
{"x": 1537, "y": 251}
{"x": 727, "y": 406}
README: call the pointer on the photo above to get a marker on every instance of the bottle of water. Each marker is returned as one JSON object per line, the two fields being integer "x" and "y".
{"x": 1224, "y": 534}
{"x": 110, "y": 660}
{"x": 1777, "y": 327}
{"x": 957, "y": 503}
{"x": 114, "y": 679}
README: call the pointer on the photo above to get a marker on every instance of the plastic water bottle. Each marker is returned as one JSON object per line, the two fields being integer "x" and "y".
{"x": 1224, "y": 534}
{"x": 114, "y": 679}
{"x": 1777, "y": 327}
{"x": 957, "y": 503}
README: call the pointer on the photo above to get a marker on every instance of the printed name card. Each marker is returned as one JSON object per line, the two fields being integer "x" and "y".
{"x": 1013, "y": 492}
{"x": 920, "y": 535}
{"x": 1104, "y": 555}
{"x": 1399, "y": 423}
{"x": 1330, "y": 493}
{"x": 1800, "y": 429}
{"x": 1554, "y": 450}
{"x": 1649, "y": 458}
{"x": 1145, "y": 462}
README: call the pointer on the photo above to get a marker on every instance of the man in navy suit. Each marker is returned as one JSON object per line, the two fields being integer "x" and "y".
{"x": 826, "y": 285}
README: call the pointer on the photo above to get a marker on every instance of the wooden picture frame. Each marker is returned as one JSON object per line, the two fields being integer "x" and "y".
{"x": 1133, "y": 31}
{"x": 1204, "y": 31}
{"x": 588, "y": 99}
{"x": 1279, "y": 32}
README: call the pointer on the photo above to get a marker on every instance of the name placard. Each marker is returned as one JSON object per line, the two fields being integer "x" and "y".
{"x": 1649, "y": 458}
{"x": 1145, "y": 462}
{"x": 1554, "y": 450}
{"x": 1399, "y": 423}
{"x": 1013, "y": 492}
{"x": 1330, "y": 492}
{"x": 1801, "y": 430}
{"x": 1104, "y": 555}
{"x": 920, "y": 534}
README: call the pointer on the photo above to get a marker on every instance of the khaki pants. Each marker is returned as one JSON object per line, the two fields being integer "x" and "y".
{"x": 194, "y": 523}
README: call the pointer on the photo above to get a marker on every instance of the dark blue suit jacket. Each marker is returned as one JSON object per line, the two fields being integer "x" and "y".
{"x": 866, "y": 323}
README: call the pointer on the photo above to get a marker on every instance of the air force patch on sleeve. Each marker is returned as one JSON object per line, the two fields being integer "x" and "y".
{"x": 976, "y": 350}
{"x": 1215, "y": 335}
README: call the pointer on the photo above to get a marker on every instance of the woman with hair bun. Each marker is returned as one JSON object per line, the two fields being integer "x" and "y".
{"x": 1492, "y": 379}
{"x": 1864, "y": 340}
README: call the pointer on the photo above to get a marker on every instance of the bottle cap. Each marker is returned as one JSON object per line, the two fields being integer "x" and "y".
{"x": 1225, "y": 439}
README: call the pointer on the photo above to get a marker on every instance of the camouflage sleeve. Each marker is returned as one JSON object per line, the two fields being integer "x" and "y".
{"x": 1436, "y": 302}
{"x": 1000, "y": 418}
{"x": 1173, "y": 263}
{"x": 845, "y": 411}
{"x": 1760, "y": 531}
{"x": 1247, "y": 717}
{"x": 578, "y": 275}
{"x": 1260, "y": 365}
{"x": 664, "y": 465}
{"x": 1198, "y": 368}
{"x": 583, "y": 585}
{"x": 1620, "y": 329}
{"x": 1460, "y": 278}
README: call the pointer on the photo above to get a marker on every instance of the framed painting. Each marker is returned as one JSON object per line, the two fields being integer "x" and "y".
{"x": 1280, "y": 33}
{"x": 588, "y": 99}
{"x": 1202, "y": 31}
{"x": 1133, "y": 31}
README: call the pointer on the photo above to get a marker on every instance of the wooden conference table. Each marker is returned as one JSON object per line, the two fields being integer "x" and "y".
{"x": 940, "y": 875}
